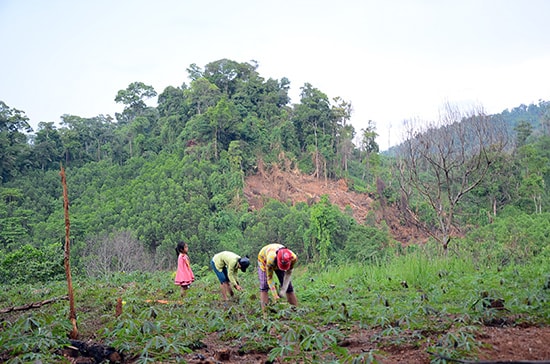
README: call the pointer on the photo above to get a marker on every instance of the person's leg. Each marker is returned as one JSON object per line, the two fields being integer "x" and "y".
{"x": 264, "y": 294}
{"x": 228, "y": 290}
{"x": 291, "y": 298}
{"x": 224, "y": 291}
{"x": 222, "y": 277}
{"x": 264, "y": 299}
{"x": 184, "y": 290}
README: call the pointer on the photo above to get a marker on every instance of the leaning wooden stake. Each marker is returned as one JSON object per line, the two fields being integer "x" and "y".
{"x": 72, "y": 312}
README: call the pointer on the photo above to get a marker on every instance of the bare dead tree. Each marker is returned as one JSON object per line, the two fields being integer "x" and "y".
{"x": 445, "y": 160}
{"x": 116, "y": 252}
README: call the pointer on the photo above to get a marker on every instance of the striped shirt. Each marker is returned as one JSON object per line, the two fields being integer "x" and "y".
{"x": 267, "y": 261}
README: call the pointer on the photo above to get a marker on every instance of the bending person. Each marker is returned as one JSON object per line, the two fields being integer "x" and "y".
{"x": 226, "y": 265}
{"x": 276, "y": 258}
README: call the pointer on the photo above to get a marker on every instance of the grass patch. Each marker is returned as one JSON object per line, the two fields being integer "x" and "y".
{"x": 412, "y": 299}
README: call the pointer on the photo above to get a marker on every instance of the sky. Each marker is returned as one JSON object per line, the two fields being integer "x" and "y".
{"x": 394, "y": 60}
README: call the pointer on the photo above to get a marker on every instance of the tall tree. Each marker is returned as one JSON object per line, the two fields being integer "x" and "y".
{"x": 534, "y": 165}
{"x": 499, "y": 187}
{"x": 226, "y": 74}
{"x": 47, "y": 147}
{"x": 223, "y": 118}
{"x": 368, "y": 145}
{"x": 13, "y": 141}
{"x": 343, "y": 133}
{"x": 315, "y": 127}
{"x": 523, "y": 131}
{"x": 201, "y": 95}
{"x": 86, "y": 139}
{"x": 140, "y": 121}
{"x": 172, "y": 101}
{"x": 133, "y": 98}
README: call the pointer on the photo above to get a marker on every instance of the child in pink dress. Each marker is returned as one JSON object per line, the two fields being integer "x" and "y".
{"x": 184, "y": 274}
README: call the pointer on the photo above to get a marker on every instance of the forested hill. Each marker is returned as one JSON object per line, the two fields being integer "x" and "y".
{"x": 153, "y": 176}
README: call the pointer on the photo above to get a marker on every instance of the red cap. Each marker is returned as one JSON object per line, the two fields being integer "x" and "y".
{"x": 284, "y": 257}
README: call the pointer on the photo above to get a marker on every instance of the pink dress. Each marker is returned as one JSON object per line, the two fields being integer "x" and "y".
{"x": 184, "y": 274}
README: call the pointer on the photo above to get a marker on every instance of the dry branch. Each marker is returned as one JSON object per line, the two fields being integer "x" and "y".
{"x": 29, "y": 306}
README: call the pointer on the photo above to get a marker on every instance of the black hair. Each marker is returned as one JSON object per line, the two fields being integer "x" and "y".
{"x": 244, "y": 263}
{"x": 180, "y": 246}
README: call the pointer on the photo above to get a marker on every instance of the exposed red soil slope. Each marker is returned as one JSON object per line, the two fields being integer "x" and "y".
{"x": 296, "y": 187}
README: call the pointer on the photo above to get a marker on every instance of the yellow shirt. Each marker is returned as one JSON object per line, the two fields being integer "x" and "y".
{"x": 267, "y": 261}
{"x": 229, "y": 260}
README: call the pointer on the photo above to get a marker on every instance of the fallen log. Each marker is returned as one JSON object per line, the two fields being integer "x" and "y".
{"x": 29, "y": 306}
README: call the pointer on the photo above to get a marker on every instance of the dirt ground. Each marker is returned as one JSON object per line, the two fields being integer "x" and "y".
{"x": 502, "y": 344}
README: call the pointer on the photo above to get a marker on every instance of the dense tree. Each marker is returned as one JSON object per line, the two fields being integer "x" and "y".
{"x": 222, "y": 120}
{"x": 312, "y": 118}
{"x": 174, "y": 109}
{"x": 133, "y": 98}
{"x": 495, "y": 191}
{"x": 87, "y": 139}
{"x": 201, "y": 95}
{"x": 368, "y": 146}
{"x": 534, "y": 166}
{"x": 523, "y": 131}
{"x": 172, "y": 101}
{"x": 323, "y": 226}
{"x": 15, "y": 218}
{"x": 343, "y": 133}
{"x": 47, "y": 148}
{"x": 13, "y": 141}
{"x": 43, "y": 264}
{"x": 226, "y": 74}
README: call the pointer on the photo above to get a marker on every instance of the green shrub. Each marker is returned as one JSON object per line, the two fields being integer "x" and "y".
{"x": 514, "y": 237}
{"x": 29, "y": 264}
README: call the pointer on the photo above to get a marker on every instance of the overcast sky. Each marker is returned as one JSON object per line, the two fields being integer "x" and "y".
{"x": 392, "y": 59}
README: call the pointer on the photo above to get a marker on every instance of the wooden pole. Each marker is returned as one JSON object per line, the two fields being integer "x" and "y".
{"x": 72, "y": 313}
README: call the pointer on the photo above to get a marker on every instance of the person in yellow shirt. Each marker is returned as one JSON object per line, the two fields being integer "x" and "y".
{"x": 276, "y": 258}
{"x": 226, "y": 265}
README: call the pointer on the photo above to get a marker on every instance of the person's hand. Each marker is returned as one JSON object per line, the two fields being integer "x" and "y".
{"x": 281, "y": 293}
{"x": 238, "y": 288}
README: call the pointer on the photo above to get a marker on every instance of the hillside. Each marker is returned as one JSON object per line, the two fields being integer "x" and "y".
{"x": 297, "y": 187}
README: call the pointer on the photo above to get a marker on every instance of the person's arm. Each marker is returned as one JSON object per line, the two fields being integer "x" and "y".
{"x": 286, "y": 282}
{"x": 287, "y": 276}
{"x": 232, "y": 275}
{"x": 270, "y": 282}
